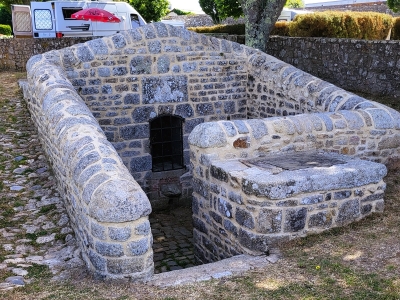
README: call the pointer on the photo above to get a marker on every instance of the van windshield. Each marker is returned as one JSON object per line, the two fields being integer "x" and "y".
{"x": 68, "y": 11}
{"x": 135, "y": 20}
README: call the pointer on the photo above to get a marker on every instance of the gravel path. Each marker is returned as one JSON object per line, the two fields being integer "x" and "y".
{"x": 34, "y": 225}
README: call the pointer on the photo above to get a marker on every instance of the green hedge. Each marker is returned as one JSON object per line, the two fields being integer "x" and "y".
{"x": 5, "y": 29}
{"x": 337, "y": 24}
{"x": 228, "y": 29}
{"x": 281, "y": 28}
{"x": 181, "y": 12}
{"x": 396, "y": 29}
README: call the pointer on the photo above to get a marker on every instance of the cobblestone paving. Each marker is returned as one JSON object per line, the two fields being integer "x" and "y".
{"x": 35, "y": 235}
{"x": 173, "y": 239}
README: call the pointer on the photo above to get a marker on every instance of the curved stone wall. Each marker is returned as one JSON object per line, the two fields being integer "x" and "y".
{"x": 92, "y": 103}
{"x": 108, "y": 209}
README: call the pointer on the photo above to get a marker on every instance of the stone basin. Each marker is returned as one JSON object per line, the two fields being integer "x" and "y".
{"x": 258, "y": 203}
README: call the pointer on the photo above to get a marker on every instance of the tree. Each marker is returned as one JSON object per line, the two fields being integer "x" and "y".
{"x": 229, "y": 8}
{"x": 219, "y": 10}
{"x": 7, "y": 3}
{"x": 394, "y": 5}
{"x": 260, "y": 18}
{"x": 294, "y": 4}
{"x": 210, "y": 8}
{"x": 5, "y": 16}
{"x": 151, "y": 10}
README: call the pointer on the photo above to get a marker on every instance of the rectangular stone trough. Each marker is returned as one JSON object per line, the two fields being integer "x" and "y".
{"x": 256, "y": 203}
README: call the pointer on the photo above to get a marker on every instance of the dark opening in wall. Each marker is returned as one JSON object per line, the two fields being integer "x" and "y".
{"x": 166, "y": 143}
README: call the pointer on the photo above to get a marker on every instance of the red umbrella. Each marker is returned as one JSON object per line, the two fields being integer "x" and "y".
{"x": 95, "y": 15}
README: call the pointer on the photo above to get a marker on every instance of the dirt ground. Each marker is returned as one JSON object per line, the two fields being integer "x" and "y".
{"x": 358, "y": 261}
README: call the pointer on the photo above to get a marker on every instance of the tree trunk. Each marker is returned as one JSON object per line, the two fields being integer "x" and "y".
{"x": 260, "y": 17}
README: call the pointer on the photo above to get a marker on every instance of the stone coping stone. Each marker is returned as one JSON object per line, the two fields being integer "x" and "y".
{"x": 232, "y": 266}
{"x": 275, "y": 177}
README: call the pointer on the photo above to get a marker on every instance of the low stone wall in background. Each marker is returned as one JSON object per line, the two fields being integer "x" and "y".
{"x": 370, "y": 67}
{"x": 15, "y": 53}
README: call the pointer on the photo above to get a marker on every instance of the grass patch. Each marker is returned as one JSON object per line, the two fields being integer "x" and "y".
{"x": 6, "y": 100}
{"x": 39, "y": 271}
{"x": 60, "y": 236}
{"x": 34, "y": 236}
{"x": 7, "y": 211}
{"x": 332, "y": 280}
{"x": 18, "y": 203}
{"x": 4, "y": 274}
{"x": 12, "y": 119}
{"x": 45, "y": 209}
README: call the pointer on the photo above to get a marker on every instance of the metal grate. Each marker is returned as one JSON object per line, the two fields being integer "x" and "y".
{"x": 43, "y": 19}
{"x": 23, "y": 22}
{"x": 166, "y": 143}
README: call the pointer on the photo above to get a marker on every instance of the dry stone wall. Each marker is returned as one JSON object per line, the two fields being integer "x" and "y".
{"x": 107, "y": 207}
{"x": 357, "y": 65}
{"x": 251, "y": 205}
{"x": 15, "y": 53}
{"x": 241, "y": 208}
{"x": 128, "y": 80}
{"x": 93, "y": 102}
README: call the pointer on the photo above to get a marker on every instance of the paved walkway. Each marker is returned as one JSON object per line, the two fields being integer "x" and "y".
{"x": 34, "y": 226}
{"x": 173, "y": 239}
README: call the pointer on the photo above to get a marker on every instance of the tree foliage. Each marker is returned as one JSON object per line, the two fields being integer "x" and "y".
{"x": 5, "y": 16}
{"x": 229, "y": 8}
{"x": 151, "y": 10}
{"x": 394, "y": 5}
{"x": 182, "y": 12}
{"x": 294, "y": 3}
{"x": 7, "y": 3}
{"x": 210, "y": 8}
{"x": 219, "y": 10}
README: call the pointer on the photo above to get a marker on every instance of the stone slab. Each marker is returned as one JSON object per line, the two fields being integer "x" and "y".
{"x": 233, "y": 266}
{"x": 277, "y": 183}
{"x": 296, "y": 160}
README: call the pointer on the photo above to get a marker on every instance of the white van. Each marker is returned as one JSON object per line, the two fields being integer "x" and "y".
{"x": 289, "y": 14}
{"x": 53, "y": 19}
{"x": 176, "y": 23}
